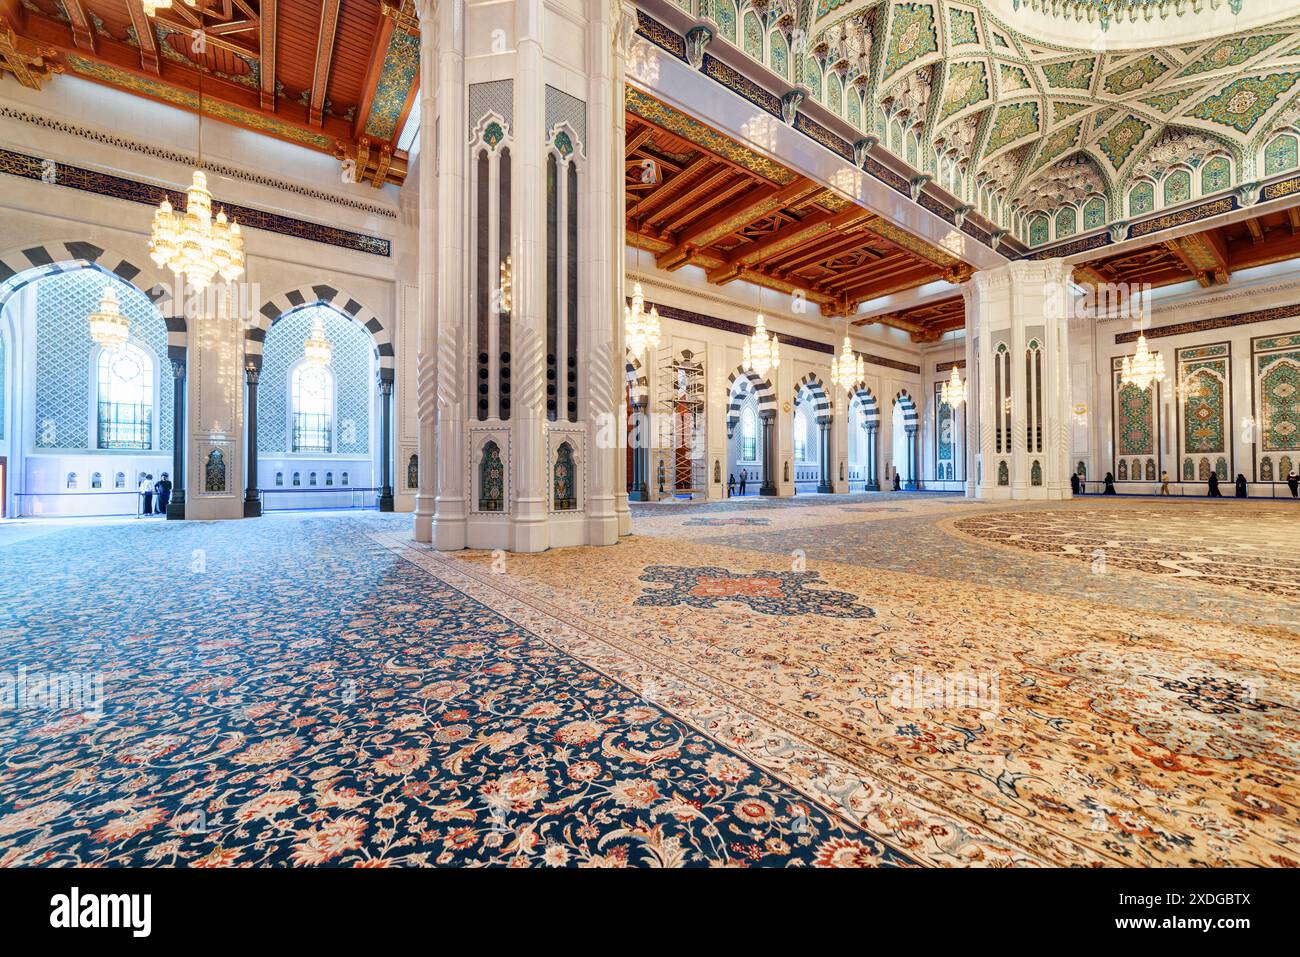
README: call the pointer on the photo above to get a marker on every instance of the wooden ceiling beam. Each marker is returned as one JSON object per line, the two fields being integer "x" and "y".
{"x": 329, "y": 24}
{"x": 267, "y": 40}
{"x": 756, "y": 203}
{"x": 83, "y": 35}
{"x": 1256, "y": 230}
{"x": 798, "y": 235}
{"x": 1276, "y": 246}
{"x": 645, "y": 209}
{"x": 147, "y": 39}
{"x": 1293, "y": 217}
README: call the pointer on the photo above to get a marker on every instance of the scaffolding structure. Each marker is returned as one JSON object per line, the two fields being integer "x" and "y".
{"x": 682, "y": 404}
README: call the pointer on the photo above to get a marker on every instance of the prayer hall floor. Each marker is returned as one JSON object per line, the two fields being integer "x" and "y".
{"x": 884, "y": 679}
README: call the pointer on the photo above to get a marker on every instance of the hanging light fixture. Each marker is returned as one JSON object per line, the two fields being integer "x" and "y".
{"x": 192, "y": 243}
{"x": 151, "y": 7}
{"x": 108, "y": 327}
{"x": 640, "y": 328}
{"x": 1143, "y": 367}
{"x": 761, "y": 353}
{"x": 317, "y": 348}
{"x": 952, "y": 391}
{"x": 847, "y": 369}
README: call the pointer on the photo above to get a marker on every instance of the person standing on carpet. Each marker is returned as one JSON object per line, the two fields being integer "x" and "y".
{"x": 744, "y": 477}
{"x": 1241, "y": 485}
{"x": 1110, "y": 485}
{"x": 1074, "y": 483}
{"x": 1293, "y": 482}
{"x": 898, "y": 485}
{"x": 1214, "y": 486}
{"x": 731, "y": 484}
{"x": 1164, "y": 483}
{"x": 146, "y": 495}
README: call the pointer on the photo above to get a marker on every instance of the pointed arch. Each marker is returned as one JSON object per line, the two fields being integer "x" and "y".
{"x": 821, "y": 396}
{"x": 762, "y": 388}
{"x": 322, "y": 294}
{"x": 19, "y": 267}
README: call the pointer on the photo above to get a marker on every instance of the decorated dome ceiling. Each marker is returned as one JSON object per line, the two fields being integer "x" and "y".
{"x": 1044, "y": 139}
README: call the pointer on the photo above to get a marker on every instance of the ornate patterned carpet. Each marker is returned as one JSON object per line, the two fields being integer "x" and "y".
{"x": 840, "y": 681}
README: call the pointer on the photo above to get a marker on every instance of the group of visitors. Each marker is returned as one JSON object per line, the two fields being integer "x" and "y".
{"x": 155, "y": 496}
{"x": 731, "y": 483}
{"x": 1240, "y": 484}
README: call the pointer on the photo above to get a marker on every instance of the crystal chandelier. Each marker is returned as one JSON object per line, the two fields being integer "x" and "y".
{"x": 193, "y": 243}
{"x": 847, "y": 369}
{"x": 762, "y": 353}
{"x": 317, "y": 349}
{"x": 952, "y": 391}
{"x": 640, "y": 328}
{"x": 153, "y": 6}
{"x": 108, "y": 327}
{"x": 1143, "y": 367}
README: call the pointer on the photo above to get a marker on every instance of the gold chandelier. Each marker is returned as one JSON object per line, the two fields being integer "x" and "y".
{"x": 847, "y": 369}
{"x": 952, "y": 391}
{"x": 761, "y": 352}
{"x": 317, "y": 348}
{"x": 640, "y": 328}
{"x": 1143, "y": 367}
{"x": 192, "y": 243}
{"x": 108, "y": 327}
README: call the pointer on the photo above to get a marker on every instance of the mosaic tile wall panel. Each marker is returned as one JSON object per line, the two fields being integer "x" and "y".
{"x": 1135, "y": 422}
{"x": 353, "y": 380}
{"x": 63, "y": 353}
{"x": 1204, "y": 380}
{"x": 1276, "y": 367}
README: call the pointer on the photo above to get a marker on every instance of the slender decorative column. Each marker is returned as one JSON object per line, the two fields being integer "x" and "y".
{"x": 827, "y": 483}
{"x": 252, "y": 499}
{"x": 640, "y": 429}
{"x": 426, "y": 363}
{"x": 176, "y": 506}
{"x": 873, "y": 481}
{"x": 768, "y": 421}
{"x": 385, "y": 441}
{"x": 911, "y": 482}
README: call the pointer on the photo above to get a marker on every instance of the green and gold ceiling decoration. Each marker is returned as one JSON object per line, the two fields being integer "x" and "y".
{"x": 1018, "y": 127}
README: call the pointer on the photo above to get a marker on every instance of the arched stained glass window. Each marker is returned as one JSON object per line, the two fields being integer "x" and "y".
{"x": 125, "y": 399}
{"x": 312, "y": 396}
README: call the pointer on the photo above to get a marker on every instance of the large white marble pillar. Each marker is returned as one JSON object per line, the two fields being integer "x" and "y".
{"x": 426, "y": 375}
{"x": 601, "y": 292}
{"x": 622, "y": 29}
{"x": 216, "y": 406}
{"x": 1017, "y": 328}
{"x": 451, "y": 314}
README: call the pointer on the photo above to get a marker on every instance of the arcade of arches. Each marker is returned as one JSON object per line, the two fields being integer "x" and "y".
{"x": 472, "y": 521}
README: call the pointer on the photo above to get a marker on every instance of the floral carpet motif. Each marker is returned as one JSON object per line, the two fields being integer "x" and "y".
{"x": 767, "y": 592}
{"x": 724, "y": 522}
{"x": 1243, "y": 551}
{"x": 304, "y": 696}
{"x": 325, "y": 691}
